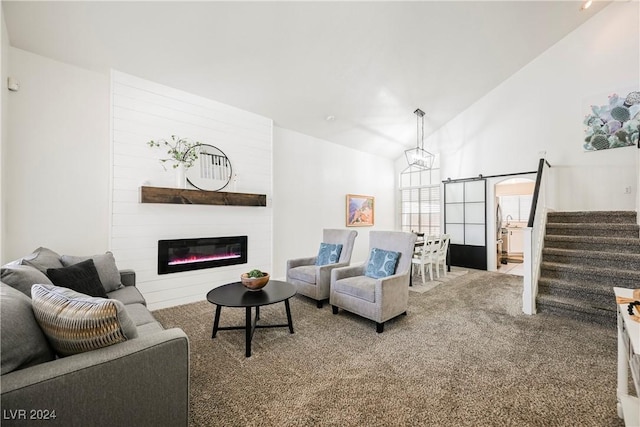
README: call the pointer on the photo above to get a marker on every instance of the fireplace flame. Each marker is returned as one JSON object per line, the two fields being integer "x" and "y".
{"x": 200, "y": 258}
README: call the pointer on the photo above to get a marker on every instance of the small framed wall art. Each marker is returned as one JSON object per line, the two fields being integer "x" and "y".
{"x": 360, "y": 210}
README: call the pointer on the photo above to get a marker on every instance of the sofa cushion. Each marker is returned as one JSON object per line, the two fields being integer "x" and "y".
{"x": 76, "y": 323}
{"x": 105, "y": 264}
{"x": 139, "y": 314}
{"x": 305, "y": 273}
{"x": 81, "y": 277}
{"x": 22, "y": 277}
{"x": 43, "y": 259}
{"x": 128, "y": 295}
{"x": 381, "y": 263}
{"x": 329, "y": 253}
{"x": 149, "y": 328}
{"x": 21, "y": 339}
{"x": 362, "y": 287}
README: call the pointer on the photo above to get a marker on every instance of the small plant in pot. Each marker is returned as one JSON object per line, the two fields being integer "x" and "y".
{"x": 254, "y": 280}
{"x": 181, "y": 151}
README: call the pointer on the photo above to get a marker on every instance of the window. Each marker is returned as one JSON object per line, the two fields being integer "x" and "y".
{"x": 420, "y": 201}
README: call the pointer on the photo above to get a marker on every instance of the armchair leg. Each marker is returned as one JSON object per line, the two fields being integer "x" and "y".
{"x": 334, "y": 309}
{"x": 379, "y": 327}
{"x": 319, "y": 303}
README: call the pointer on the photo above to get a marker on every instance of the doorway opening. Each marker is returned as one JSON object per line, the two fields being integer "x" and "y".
{"x": 513, "y": 199}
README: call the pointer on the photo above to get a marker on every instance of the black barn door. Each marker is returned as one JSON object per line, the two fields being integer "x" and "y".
{"x": 465, "y": 220}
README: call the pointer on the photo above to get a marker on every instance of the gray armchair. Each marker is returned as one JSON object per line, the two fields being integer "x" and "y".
{"x": 313, "y": 280}
{"x": 375, "y": 299}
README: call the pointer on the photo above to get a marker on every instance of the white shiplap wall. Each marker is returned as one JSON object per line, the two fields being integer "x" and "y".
{"x": 142, "y": 110}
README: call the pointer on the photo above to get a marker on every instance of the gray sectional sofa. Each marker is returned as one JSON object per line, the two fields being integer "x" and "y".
{"x": 142, "y": 381}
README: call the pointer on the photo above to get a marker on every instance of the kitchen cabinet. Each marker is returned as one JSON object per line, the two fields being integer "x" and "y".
{"x": 516, "y": 240}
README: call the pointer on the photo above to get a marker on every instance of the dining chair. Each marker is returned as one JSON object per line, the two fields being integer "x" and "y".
{"x": 440, "y": 257}
{"x": 423, "y": 256}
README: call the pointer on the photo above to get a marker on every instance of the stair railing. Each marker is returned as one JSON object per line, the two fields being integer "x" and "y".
{"x": 533, "y": 235}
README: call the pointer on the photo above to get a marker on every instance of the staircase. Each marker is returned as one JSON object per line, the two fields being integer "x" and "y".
{"x": 585, "y": 255}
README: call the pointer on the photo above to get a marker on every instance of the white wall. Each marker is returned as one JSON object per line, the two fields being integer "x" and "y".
{"x": 541, "y": 108}
{"x": 56, "y": 158}
{"x": 143, "y": 110}
{"x": 311, "y": 180}
{"x": 4, "y": 122}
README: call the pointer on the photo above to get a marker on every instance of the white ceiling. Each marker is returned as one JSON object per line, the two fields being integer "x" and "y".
{"x": 369, "y": 64}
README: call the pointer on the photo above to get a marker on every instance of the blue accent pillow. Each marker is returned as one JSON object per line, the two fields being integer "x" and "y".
{"x": 329, "y": 253}
{"x": 381, "y": 263}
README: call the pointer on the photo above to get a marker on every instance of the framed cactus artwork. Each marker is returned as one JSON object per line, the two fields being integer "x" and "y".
{"x": 614, "y": 124}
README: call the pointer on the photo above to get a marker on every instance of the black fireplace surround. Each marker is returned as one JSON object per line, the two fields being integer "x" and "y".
{"x": 195, "y": 254}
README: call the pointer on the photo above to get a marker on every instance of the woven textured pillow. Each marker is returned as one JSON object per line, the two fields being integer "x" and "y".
{"x": 75, "y": 323}
{"x": 328, "y": 253}
{"x": 381, "y": 263}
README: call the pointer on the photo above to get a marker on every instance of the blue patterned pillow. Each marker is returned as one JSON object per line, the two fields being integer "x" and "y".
{"x": 381, "y": 263}
{"x": 328, "y": 254}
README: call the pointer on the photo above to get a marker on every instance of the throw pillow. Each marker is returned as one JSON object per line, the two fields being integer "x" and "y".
{"x": 381, "y": 263}
{"x": 81, "y": 277}
{"x": 22, "y": 341}
{"x": 43, "y": 259}
{"x": 75, "y": 323}
{"x": 106, "y": 266}
{"x": 22, "y": 277}
{"x": 328, "y": 253}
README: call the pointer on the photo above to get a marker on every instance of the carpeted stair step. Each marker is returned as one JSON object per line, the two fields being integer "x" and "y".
{"x": 606, "y": 217}
{"x": 586, "y": 291}
{"x": 593, "y": 243}
{"x": 576, "y": 309}
{"x": 622, "y": 261}
{"x": 585, "y": 255}
{"x": 593, "y": 229}
{"x": 607, "y": 276}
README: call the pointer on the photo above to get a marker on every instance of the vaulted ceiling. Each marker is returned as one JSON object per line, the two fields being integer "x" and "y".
{"x": 367, "y": 64}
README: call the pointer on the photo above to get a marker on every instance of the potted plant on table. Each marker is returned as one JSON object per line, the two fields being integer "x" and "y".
{"x": 254, "y": 280}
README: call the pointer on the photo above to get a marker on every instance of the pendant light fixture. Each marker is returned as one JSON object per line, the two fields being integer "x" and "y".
{"x": 419, "y": 157}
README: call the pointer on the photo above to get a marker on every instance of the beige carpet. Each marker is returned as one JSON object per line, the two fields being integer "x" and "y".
{"x": 463, "y": 356}
{"x": 418, "y": 286}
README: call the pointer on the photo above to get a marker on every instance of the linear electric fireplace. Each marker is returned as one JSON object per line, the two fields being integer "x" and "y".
{"x": 195, "y": 254}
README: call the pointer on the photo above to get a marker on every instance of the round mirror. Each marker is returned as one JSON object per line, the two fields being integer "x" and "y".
{"x": 212, "y": 169}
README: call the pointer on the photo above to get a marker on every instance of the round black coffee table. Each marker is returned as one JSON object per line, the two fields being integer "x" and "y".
{"x": 236, "y": 295}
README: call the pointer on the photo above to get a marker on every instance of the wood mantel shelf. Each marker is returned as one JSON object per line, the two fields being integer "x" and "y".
{"x": 179, "y": 196}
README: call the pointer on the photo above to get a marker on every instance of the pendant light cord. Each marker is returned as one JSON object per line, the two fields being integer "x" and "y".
{"x": 419, "y": 137}
{"x": 422, "y": 134}
{"x": 417, "y": 131}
